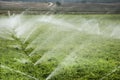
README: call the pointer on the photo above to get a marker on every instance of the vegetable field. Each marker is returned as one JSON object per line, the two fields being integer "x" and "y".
{"x": 60, "y": 47}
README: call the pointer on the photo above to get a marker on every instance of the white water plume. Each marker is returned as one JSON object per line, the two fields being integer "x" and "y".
{"x": 21, "y": 27}
{"x": 61, "y": 44}
{"x": 39, "y": 38}
{"x": 14, "y": 21}
{"x": 25, "y": 28}
{"x": 5, "y": 37}
{"x": 6, "y": 33}
{"x": 90, "y": 26}
{"x": 70, "y": 60}
{"x": 17, "y": 71}
{"x": 17, "y": 25}
{"x": 9, "y": 14}
{"x": 10, "y": 24}
{"x": 50, "y": 38}
{"x": 61, "y": 23}
{"x": 27, "y": 37}
{"x": 116, "y": 32}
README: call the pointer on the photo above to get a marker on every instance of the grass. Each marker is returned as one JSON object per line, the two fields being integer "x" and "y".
{"x": 61, "y": 51}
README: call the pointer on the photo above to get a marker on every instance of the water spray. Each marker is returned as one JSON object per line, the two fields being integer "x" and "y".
{"x": 17, "y": 71}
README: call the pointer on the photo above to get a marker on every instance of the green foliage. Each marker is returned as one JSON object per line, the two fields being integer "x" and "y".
{"x": 97, "y": 57}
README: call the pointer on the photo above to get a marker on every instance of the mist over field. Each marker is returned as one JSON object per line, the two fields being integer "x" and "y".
{"x": 59, "y": 39}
